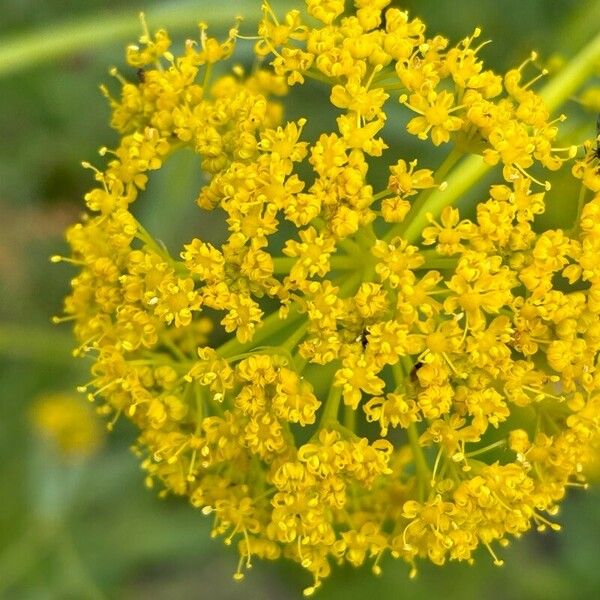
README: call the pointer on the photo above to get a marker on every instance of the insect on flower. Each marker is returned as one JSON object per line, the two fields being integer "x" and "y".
{"x": 363, "y": 338}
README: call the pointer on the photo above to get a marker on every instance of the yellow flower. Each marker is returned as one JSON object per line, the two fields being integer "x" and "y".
{"x": 68, "y": 423}
{"x": 435, "y": 116}
{"x": 288, "y": 379}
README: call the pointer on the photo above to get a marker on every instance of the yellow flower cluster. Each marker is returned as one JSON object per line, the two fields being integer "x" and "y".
{"x": 68, "y": 423}
{"x": 329, "y": 383}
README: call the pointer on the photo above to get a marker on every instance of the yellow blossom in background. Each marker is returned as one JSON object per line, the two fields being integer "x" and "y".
{"x": 459, "y": 355}
{"x": 68, "y": 423}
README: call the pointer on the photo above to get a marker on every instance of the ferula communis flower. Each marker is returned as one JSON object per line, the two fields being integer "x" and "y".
{"x": 357, "y": 370}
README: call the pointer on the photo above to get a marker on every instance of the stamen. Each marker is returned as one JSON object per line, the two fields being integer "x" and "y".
{"x": 227, "y": 541}
{"x": 376, "y": 70}
{"x": 483, "y": 44}
{"x": 570, "y": 150}
{"x": 56, "y": 320}
{"x": 85, "y": 346}
{"x": 546, "y": 184}
{"x": 203, "y": 37}
{"x": 56, "y": 258}
{"x": 249, "y": 555}
{"x": 404, "y": 100}
{"x": 498, "y": 444}
{"x": 576, "y": 484}
{"x": 173, "y": 458}
{"x": 407, "y": 546}
{"x": 92, "y": 396}
{"x": 266, "y": 8}
{"x": 536, "y": 78}
{"x": 540, "y": 394}
{"x": 460, "y": 375}
{"x": 532, "y": 57}
{"x": 110, "y": 426}
{"x": 436, "y": 464}
{"x": 145, "y": 37}
{"x": 543, "y": 523}
{"x": 376, "y": 569}
{"x": 133, "y": 407}
{"x": 114, "y": 72}
{"x": 497, "y": 561}
{"x": 238, "y": 575}
{"x": 87, "y": 165}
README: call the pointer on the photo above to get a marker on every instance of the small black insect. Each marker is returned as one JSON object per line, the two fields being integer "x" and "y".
{"x": 141, "y": 75}
{"x": 363, "y": 338}
{"x": 413, "y": 372}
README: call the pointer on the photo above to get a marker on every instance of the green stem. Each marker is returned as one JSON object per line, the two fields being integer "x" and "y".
{"x": 284, "y": 264}
{"x": 421, "y": 465}
{"x": 349, "y": 418}
{"x": 164, "y": 339}
{"x": 366, "y": 237}
{"x": 273, "y": 323}
{"x": 299, "y": 362}
{"x": 421, "y": 207}
{"x": 573, "y": 75}
{"x": 346, "y": 244}
{"x": 318, "y": 76}
{"x": 269, "y": 326}
{"x": 90, "y": 32}
{"x": 580, "y": 204}
{"x": 332, "y": 407}
{"x": 394, "y": 87}
{"x": 292, "y": 342}
{"x": 498, "y": 444}
{"x": 382, "y": 194}
{"x": 144, "y": 236}
{"x": 406, "y": 363}
{"x": 199, "y": 401}
{"x": 453, "y": 157}
{"x": 433, "y": 260}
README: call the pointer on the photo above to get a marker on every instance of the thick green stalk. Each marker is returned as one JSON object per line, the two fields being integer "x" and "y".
{"x": 269, "y": 326}
{"x": 421, "y": 466}
{"x": 573, "y": 75}
{"x": 283, "y": 264}
{"x": 88, "y": 33}
{"x": 332, "y": 407}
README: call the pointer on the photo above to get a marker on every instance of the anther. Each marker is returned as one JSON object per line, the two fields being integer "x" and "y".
{"x": 56, "y": 320}
{"x": 114, "y": 72}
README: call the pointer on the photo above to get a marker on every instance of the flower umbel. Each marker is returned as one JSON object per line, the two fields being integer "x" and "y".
{"x": 430, "y": 344}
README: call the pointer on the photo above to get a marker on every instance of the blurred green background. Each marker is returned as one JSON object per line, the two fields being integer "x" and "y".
{"x": 88, "y": 528}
